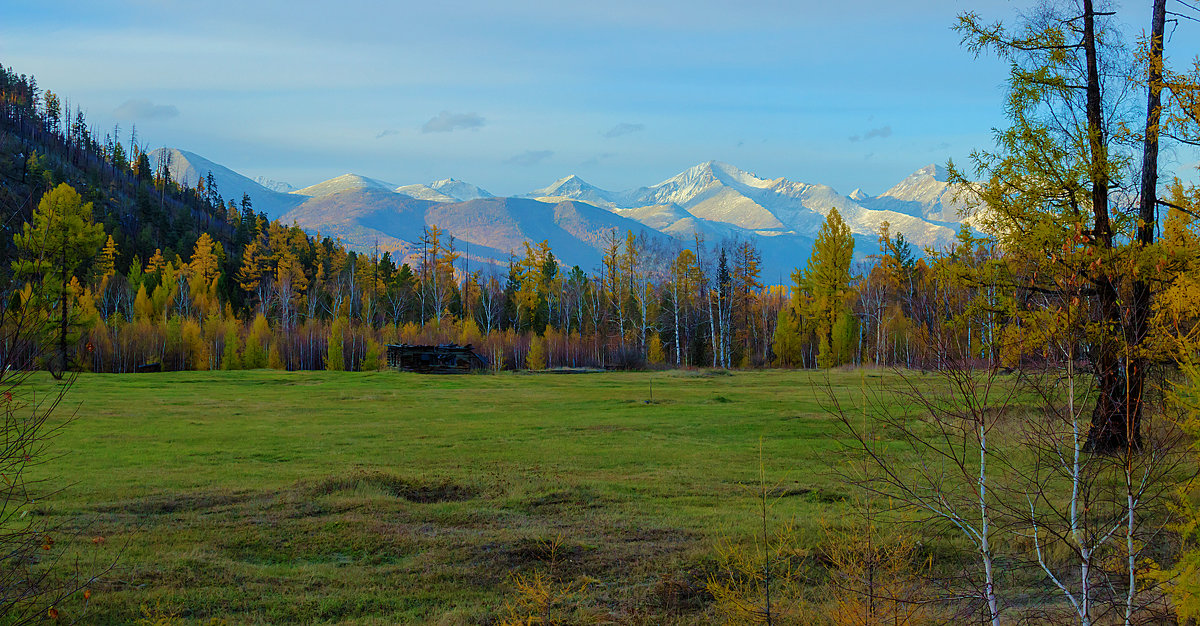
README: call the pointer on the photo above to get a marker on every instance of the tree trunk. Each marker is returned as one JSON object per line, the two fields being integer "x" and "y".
{"x": 1109, "y": 430}
{"x": 1147, "y": 220}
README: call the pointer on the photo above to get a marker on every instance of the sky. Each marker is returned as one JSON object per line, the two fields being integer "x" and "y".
{"x": 514, "y": 95}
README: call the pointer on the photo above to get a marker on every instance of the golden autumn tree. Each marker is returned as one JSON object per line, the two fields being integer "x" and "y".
{"x": 250, "y": 274}
{"x": 535, "y": 359}
{"x": 59, "y": 241}
{"x": 106, "y": 264}
{"x": 203, "y": 270}
{"x": 1063, "y": 180}
{"x": 822, "y": 291}
{"x": 334, "y": 358}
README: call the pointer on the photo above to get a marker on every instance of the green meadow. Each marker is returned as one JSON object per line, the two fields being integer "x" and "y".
{"x": 378, "y": 498}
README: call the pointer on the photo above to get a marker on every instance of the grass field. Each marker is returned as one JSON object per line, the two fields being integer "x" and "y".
{"x": 375, "y": 498}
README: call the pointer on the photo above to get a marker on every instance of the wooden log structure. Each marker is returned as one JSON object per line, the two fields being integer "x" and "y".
{"x": 440, "y": 359}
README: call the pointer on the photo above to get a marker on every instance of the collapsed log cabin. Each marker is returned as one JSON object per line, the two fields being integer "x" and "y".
{"x": 441, "y": 359}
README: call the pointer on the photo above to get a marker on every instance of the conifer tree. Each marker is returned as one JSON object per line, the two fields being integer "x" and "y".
{"x": 535, "y": 359}
{"x": 52, "y": 249}
{"x": 788, "y": 345}
{"x": 1055, "y": 187}
{"x": 822, "y": 290}
{"x": 106, "y": 264}
{"x": 334, "y": 359}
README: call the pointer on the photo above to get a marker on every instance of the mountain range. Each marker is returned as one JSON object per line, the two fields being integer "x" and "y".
{"x": 712, "y": 199}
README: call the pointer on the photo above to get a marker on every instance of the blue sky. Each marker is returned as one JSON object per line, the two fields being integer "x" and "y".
{"x": 513, "y": 95}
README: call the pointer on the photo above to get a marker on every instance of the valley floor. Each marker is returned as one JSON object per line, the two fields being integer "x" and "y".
{"x": 373, "y": 498}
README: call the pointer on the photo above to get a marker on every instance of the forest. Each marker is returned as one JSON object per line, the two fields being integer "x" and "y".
{"x": 179, "y": 276}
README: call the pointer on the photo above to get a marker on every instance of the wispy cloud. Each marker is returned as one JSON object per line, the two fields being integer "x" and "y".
{"x": 624, "y": 128}
{"x": 594, "y": 161}
{"x": 446, "y": 122}
{"x": 142, "y": 109}
{"x": 387, "y": 133}
{"x": 883, "y": 132}
{"x": 529, "y": 157}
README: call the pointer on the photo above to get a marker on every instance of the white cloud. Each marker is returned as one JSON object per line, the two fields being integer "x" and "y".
{"x": 142, "y": 109}
{"x": 446, "y": 122}
{"x": 883, "y": 132}
{"x": 624, "y": 128}
{"x": 529, "y": 157}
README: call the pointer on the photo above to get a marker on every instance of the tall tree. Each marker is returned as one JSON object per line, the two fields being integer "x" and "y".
{"x": 1053, "y": 189}
{"x": 822, "y": 290}
{"x": 53, "y": 249}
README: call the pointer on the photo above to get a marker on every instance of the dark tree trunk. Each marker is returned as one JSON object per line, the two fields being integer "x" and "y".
{"x": 1109, "y": 430}
{"x": 1147, "y": 220}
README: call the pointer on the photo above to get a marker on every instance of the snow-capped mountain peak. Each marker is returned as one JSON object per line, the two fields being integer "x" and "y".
{"x": 345, "y": 182}
{"x": 568, "y": 184}
{"x": 459, "y": 189}
{"x": 932, "y": 170}
{"x": 709, "y": 173}
{"x": 575, "y": 188}
{"x": 925, "y": 194}
{"x": 424, "y": 192}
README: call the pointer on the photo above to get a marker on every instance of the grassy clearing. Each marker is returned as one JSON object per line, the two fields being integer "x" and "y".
{"x": 306, "y": 497}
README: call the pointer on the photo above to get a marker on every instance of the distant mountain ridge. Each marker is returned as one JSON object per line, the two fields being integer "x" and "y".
{"x": 188, "y": 168}
{"x": 713, "y": 200}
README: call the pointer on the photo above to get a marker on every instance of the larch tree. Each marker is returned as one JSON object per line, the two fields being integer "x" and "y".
{"x": 1066, "y": 178}
{"x": 204, "y": 269}
{"x": 52, "y": 250}
{"x": 250, "y": 274}
{"x": 822, "y": 289}
{"x": 106, "y": 264}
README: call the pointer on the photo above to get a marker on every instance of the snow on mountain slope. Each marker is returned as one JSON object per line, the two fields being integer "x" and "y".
{"x": 674, "y": 221}
{"x": 187, "y": 168}
{"x": 925, "y": 194}
{"x": 576, "y": 230}
{"x": 424, "y": 192}
{"x": 485, "y": 228}
{"x": 714, "y": 200}
{"x": 274, "y": 185}
{"x": 363, "y": 218}
{"x": 719, "y": 192}
{"x": 714, "y": 193}
{"x": 345, "y": 182}
{"x": 459, "y": 189}
{"x": 574, "y": 188}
